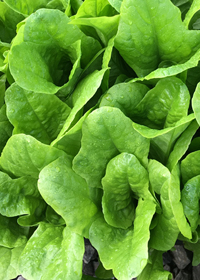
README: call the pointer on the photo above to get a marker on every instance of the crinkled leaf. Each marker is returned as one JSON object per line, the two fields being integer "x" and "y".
{"x": 11, "y": 234}
{"x": 106, "y": 133}
{"x": 68, "y": 194}
{"x": 9, "y": 259}
{"x": 124, "y": 251}
{"x": 39, "y": 115}
{"x": 164, "y": 105}
{"x": 125, "y": 179}
{"x": 24, "y": 155}
{"x": 124, "y": 96}
{"x": 154, "y": 270}
{"x": 148, "y": 41}
{"x": 52, "y": 253}
{"x": 190, "y": 166}
{"x": 190, "y": 196}
{"x": 50, "y": 59}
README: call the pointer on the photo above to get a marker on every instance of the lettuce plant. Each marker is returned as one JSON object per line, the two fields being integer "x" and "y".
{"x": 99, "y": 125}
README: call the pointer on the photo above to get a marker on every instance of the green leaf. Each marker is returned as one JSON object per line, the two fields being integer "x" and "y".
{"x": 124, "y": 251}
{"x": 172, "y": 219}
{"x": 68, "y": 194}
{"x": 190, "y": 166}
{"x": 177, "y": 207}
{"x": 190, "y": 196}
{"x": 171, "y": 70}
{"x": 116, "y": 4}
{"x": 5, "y": 128}
{"x": 84, "y": 91}
{"x": 145, "y": 47}
{"x": 24, "y": 155}
{"x": 95, "y": 8}
{"x": 124, "y": 96}
{"x": 164, "y": 105}
{"x": 9, "y": 259}
{"x": 158, "y": 174}
{"x": 106, "y": 133}
{"x": 70, "y": 142}
{"x": 163, "y": 140}
{"x": 125, "y": 179}
{"x": 154, "y": 269}
{"x": 8, "y": 22}
{"x": 193, "y": 9}
{"x": 39, "y": 115}
{"x": 103, "y": 273}
{"x": 195, "y": 248}
{"x": 50, "y": 59}
{"x": 27, "y": 7}
{"x": 52, "y": 253}
{"x": 11, "y": 234}
{"x": 106, "y": 27}
{"x": 18, "y": 196}
{"x": 196, "y": 103}
{"x": 182, "y": 145}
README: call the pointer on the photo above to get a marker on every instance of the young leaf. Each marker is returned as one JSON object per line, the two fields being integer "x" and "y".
{"x": 125, "y": 179}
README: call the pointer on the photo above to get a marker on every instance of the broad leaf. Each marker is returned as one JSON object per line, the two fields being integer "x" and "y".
{"x": 68, "y": 194}
{"x": 124, "y": 251}
{"x": 145, "y": 47}
{"x": 24, "y": 155}
{"x": 52, "y": 252}
{"x": 106, "y": 133}
{"x": 39, "y": 115}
